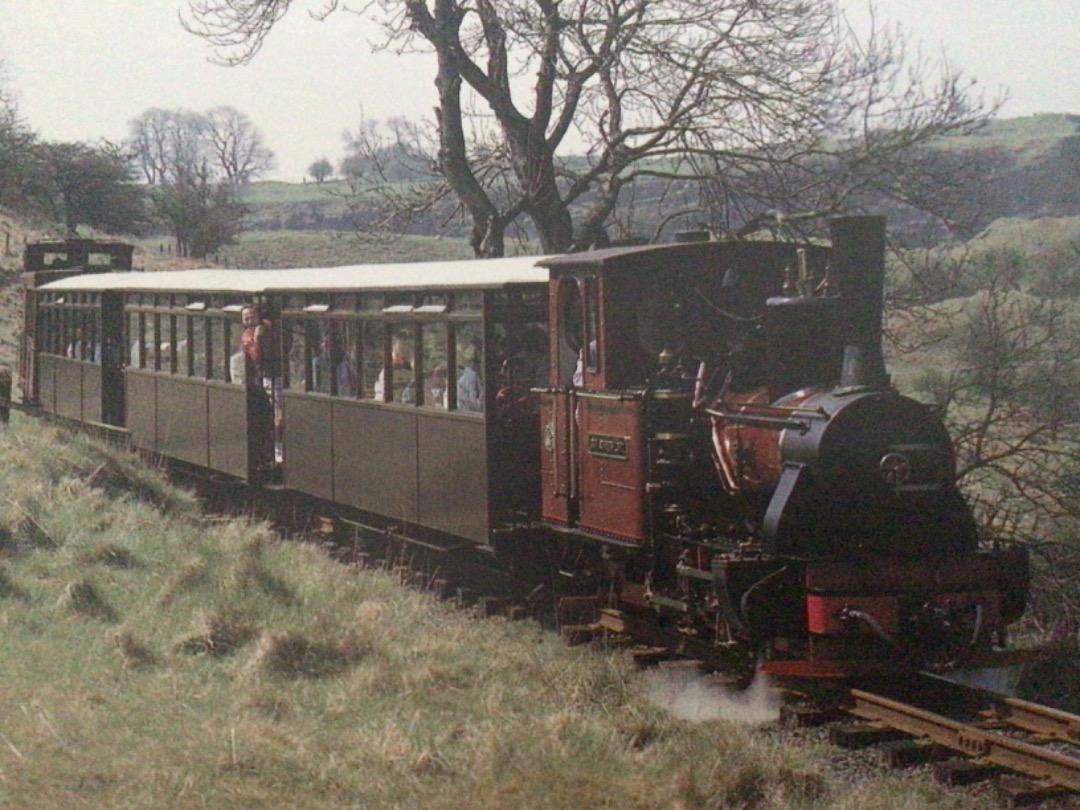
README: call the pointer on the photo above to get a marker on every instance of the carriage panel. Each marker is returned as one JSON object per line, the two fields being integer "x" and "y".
{"x": 452, "y": 475}
{"x": 309, "y": 422}
{"x": 386, "y": 460}
{"x": 182, "y": 419}
{"x": 140, "y": 391}
{"x": 227, "y": 429}
{"x": 47, "y": 382}
{"x": 69, "y": 388}
{"x": 91, "y": 392}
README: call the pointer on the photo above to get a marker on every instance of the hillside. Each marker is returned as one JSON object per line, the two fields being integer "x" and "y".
{"x": 1031, "y": 139}
{"x": 1031, "y": 165}
{"x": 155, "y": 658}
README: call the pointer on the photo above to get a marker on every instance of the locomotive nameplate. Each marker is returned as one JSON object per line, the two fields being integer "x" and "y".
{"x": 607, "y": 446}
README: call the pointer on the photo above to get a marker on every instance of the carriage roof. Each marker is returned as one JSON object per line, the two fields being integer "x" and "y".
{"x": 473, "y": 273}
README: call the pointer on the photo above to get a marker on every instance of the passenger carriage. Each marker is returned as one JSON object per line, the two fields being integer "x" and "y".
{"x": 160, "y": 369}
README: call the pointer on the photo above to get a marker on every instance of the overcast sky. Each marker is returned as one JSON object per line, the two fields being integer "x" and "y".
{"x": 84, "y": 68}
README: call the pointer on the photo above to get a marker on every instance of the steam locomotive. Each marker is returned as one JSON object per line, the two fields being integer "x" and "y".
{"x": 699, "y": 439}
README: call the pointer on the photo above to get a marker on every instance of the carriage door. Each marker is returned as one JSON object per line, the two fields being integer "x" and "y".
{"x": 559, "y": 468}
{"x": 112, "y": 359}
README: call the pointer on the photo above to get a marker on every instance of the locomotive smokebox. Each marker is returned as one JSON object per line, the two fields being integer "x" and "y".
{"x": 858, "y": 275}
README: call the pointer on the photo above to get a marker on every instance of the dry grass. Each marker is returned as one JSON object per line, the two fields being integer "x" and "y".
{"x": 134, "y": 653}
{"x": 217, "y": 635}
{"x": 9, "y": 588}
{"x": 110, "y": 554}
{"x": 83, "y": 598}
{"x": 242, "y": 671}
{"x": 294, "y": 655}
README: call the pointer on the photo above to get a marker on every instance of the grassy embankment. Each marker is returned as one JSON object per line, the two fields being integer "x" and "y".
{"x": 151, "y": 657}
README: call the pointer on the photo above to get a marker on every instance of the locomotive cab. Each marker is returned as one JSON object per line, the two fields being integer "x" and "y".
{"x": 719, "y": 423}
{"x": 641, "y": 338}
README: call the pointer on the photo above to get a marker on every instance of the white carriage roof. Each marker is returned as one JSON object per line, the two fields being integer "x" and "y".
{"x": 473, "y": 273}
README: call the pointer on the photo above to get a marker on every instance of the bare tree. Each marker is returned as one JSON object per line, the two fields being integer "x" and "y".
{"x": 194, "y": 190}
{"x": 149, "y": 143}
{"x": 393, "y": 182}
{"x": 169, "y": 145}
{"x": 878, "y": 142}
{"x": 237, "y": 145}
{"x": 1000, "y": 362}
{"x": 670, "y": 90}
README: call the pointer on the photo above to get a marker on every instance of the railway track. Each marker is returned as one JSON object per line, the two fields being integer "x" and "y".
{"x": 970, "y": 734}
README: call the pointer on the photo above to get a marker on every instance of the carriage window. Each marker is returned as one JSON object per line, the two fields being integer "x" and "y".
{"x": 82, "y": 337}
{"x": 348, "y": 376}
{"x": 299, "y": 356}
{"x": 432, "y": 303}
{"x": 170, "y": 340}
{"x": 333, "y": 366}
{"x": 92, "y": 346}
{"x": 435, "y": 366}
{"x": 373, "y": 356}
{"x": 141, "y": 345}
{"x": 58, "y": 340}
{"x": 398, "y": 302}
{"x": 184, "y": 354}
{"x": 219, "y": 349}
{"x": 468, "y": 302}
{"x": 198, "y": 347}
{"x": 402, "y": 365}
{"x": 158, "y": 347}
{"x": 323, "y": 357}
{"x": 46, "y": 330}
{"x": 468, "y": 393}
{"x": 74, "y": 332}
{"x": 521, "y": 359}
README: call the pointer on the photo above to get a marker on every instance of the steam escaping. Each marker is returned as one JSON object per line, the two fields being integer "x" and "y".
{"x": 1000, "y": 680}
{"x": 690, "y": 694}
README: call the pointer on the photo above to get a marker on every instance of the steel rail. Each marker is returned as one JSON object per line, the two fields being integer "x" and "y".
{"x": 1032, "y": 717}
{"x": 984, "y": 746}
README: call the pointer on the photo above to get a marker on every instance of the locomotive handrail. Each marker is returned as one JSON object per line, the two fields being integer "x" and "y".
{"x": 774, "y": 417}
{"x": 572, "y": 445}
{"x": 766, "y": 408}
{"x": 582, "y": 394}
{"x": 772, "y": 422}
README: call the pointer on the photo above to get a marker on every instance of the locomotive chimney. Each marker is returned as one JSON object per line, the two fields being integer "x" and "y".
{"x": 858, "y": 273}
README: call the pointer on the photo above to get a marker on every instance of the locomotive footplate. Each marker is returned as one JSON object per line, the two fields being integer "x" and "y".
{"x": 912, "y": 614}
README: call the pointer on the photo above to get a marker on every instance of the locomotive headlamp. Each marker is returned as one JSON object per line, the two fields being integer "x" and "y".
{"x": 895, "y": 469}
